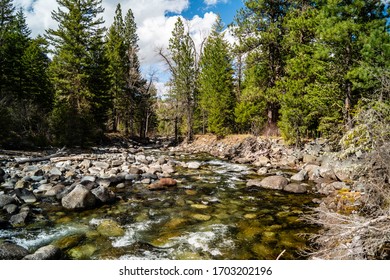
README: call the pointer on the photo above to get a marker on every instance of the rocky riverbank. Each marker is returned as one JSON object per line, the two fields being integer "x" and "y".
{"x": 314, "y": 163}
{"x": 83, "y": 180}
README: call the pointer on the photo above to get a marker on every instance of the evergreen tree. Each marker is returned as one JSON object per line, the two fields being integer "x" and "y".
{"x": 216, "y": 88}
{"x": 117, "y": 67}
{"x": 78, "y": 45}
{"x": 127, "y": 86}
{"x": 260, "y": 27}
{"x": 344, "y": 27}
{"x": 183, "y": 65}
{"x": 136, "y": 92}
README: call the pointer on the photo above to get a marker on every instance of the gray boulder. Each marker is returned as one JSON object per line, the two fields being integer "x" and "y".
{"x": 19, "y": 219}
{"x": 274, "y": 182}
{"x": 5, "y": 200}
{"x": 10, "y": 251}
{"x": 79, "y": 198}
{"x": 300, "y": 176}
{"x": 49, "y": 252}
{"x": 295, "y": 188}
{"x": 103, "y": 194}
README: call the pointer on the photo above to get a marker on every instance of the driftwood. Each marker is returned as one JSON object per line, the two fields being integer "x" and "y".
{"x": 73, "y": 158}
{"x": 39, "y": 159}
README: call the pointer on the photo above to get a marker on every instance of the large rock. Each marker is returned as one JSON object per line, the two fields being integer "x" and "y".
{"x": 79, "y": 198}
{"x": 262, "y": 161}
{"x": 55, "y": 190}
{"x": 103, "y": 194}
{"x": 295, "y": 188}
{"x": 313, "y": 171}
{"x": 26, "y": 195}
{"x": 55, "y": 172}
{"x": 274, "y": 182}
{"x": 194, "y": 165}
{"x": 300, "y": 176}
{"x": 19, "y": 219}
{"x": 9, "y": 251}
{"x": 49, "y": 252}
{"x": 5, "y": 200}
{"x": 101, "y": 165}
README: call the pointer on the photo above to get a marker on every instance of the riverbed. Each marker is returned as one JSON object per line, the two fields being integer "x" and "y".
{"x": 210, "y": 214}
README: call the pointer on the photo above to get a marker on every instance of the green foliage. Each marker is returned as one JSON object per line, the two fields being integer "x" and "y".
{"x": 76, "y": 68}
{"x": 25, "y": 89}
{"x": 183, "y": 65}
{"x": 216, "y": 94}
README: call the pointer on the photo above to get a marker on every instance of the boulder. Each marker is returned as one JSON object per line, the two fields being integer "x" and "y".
{"x": 300, "y": 176}
{"x": 135, "y": 170}
{"x": 85, "y": 164}
{"x": 262, "y": 171}
{"x": 313, "y": 171}
{"x": 295, "y": 188}
{"x": 101, "y": 165}
{"x": 132, "y": 177}
{"x": 309, "y": 159}
{"x": 5, "y": 200}
{"x": 55, "y": 172}
{"x": 79, "y": 198}
{"x": 168, "y": 169}
{"x": 193, "y": 165}
{"x": 10, "y": 208}
{"x": 327, "y": 173}
{"x": 87, "y": 179}
{"x": 103, "y": 194}
{"x": 10, "y": 251}
{"x": 25, "y": 195}
{"x": 49, "y": 252}
{"x": 55, "y": 190}
{"x": 163, "y": 184}
{"x": 274, "y": 182}
{"x": 262, "y": 161}
{"x": 19, "y": 219}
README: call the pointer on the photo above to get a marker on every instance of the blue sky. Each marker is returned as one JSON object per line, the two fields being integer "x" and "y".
{"x": 226, "y": 9}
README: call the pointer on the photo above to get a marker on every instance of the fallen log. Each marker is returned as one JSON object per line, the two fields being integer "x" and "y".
{"x": 39, "y": 159}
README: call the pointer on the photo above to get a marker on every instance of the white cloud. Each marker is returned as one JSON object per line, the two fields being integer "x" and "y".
{"x": 154, "y": 26}
{"x": 214, "y": 2}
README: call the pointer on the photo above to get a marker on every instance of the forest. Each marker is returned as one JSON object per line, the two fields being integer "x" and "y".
{"x": 300, "y": 69}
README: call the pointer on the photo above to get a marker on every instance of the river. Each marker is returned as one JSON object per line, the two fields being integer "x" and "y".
{"x": 210, "y": 214}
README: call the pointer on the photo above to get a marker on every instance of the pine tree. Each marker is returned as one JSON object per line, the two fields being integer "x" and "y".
{"x": 76, "y": 42}
{"x": 298, "y": 115}
{"x": 136, "y": 85}
{"x": 344, "y": 27}
{"x": 216, "y": 88}
{"x": 117, "y": 66}
{"x": 183, "y": 65}
{"x": 260, "y": 27}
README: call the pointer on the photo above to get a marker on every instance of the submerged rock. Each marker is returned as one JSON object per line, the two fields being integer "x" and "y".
{"x": 110, "y": 228}
{"x": 163, "y": 184}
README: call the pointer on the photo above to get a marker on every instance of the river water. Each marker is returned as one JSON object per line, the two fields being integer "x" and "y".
{"x": 211, "y": 214}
